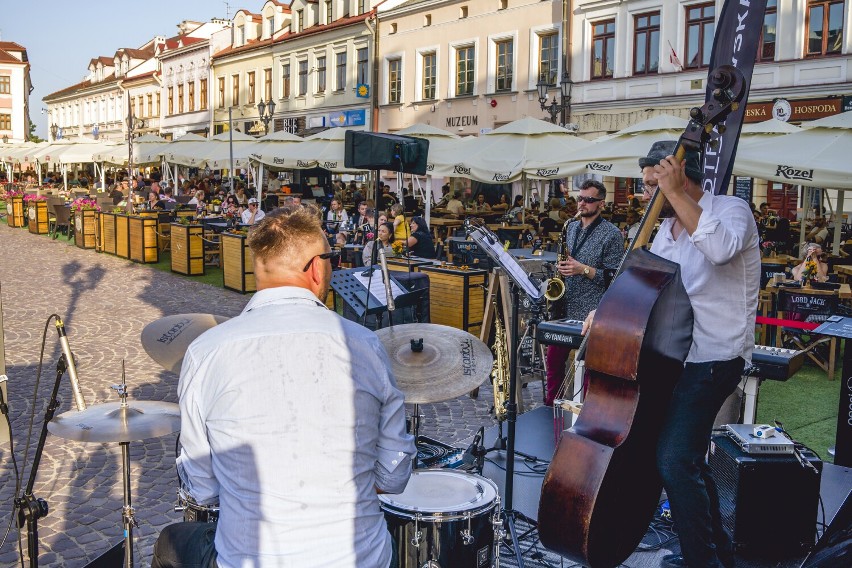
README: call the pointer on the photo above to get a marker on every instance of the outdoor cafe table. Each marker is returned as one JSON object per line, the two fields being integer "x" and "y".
{"x": 445, "y": 223}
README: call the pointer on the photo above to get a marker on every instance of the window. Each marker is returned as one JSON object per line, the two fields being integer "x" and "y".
{"x": 464, "y": 71}
{"x": 158, "y": 104}
{"x": 270, "y": 26}
{"x": 241, "y": 35}
{"x": 328, "y": 19}
{"x": 504, "y": 65}
{"x": 202, "y": 102}
{"x": 766, "y": 43}
{"x": 235, "y": 90}
{"x": 646, "y": 43}
{"x": 463, "y": 12}
{"x": 5, "y": 122}
{"x": 303, "y": 78}
{"x": 603, "y": 49}
{"x": 171, "y": 101}
{"x": 700, "y": 27}
{"x": 427, "y": 20}
{"x": 5, "y": 85}
{"x": 251, "y": 91}
{"x": 430, "y": 73}
{"x": 267, "y": 84}
{"x": 393, "y": 28}
{"x": 340, "y": 72}
{"x": 825, "y": 27}
{"x": 362, "y": 66}
{"x": 180, "y": 99}
{"x": 221, "y": 92}
{"x": 548, "y": 58}
{"x": 150, "y": 105}
{"x": 300, "y": 20}
{"x": 285, "y": 81}
{"x": 361, "y": 7}
{"x": 320, "y": 74}
{"x": 394, "y": 81}
{"x": 191, "y": 96}
{"x": 503, "y": 4}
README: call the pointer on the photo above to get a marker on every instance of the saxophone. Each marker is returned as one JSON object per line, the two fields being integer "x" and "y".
{"x": 500, "y": 370}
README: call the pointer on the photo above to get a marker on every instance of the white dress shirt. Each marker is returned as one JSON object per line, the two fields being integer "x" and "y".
{"x": 246, "y": 216}
{"x": 720, "y": 268}
{"x": 290, "y": 415}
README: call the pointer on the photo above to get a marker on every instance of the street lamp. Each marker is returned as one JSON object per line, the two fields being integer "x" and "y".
{"x": 266, "y": 110}
{"x": 132, "y": 124}
{"x": 54, "y": 130}
{"x": 556, "y": 107}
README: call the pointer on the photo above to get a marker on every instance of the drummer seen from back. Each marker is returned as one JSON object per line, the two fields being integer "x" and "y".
{"x": 295, "y": 445}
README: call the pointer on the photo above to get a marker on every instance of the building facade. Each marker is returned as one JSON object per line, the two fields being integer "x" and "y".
{"x": 15, "y": 88}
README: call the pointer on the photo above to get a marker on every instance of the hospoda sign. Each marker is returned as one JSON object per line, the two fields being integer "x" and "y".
{"x": 737, "y": 34}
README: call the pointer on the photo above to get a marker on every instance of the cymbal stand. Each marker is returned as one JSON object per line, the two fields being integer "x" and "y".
{"x": 30, "y": 508}
{"x": 127, "y": 512}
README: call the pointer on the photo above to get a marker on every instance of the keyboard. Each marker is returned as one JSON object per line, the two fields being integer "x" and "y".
{"x": 563, "y": 332}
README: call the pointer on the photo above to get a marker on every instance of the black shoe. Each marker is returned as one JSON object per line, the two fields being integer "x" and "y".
{"x": 673, "y": 561}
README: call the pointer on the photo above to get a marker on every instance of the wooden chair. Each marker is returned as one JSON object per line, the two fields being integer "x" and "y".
{"x": 212, "y": 248}
{"x": 63, "y": 219}
{"x": 808, "y": 309}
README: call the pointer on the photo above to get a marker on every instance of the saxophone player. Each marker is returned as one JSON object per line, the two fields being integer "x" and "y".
{"x": 594, "y": 249}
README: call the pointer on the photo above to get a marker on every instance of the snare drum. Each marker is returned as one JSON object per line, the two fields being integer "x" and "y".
{"x": 443, "y": 519}
{"x": 192, "y": 511}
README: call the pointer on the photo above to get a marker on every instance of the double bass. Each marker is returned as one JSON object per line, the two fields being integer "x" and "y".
{"x": 602, "y": 486}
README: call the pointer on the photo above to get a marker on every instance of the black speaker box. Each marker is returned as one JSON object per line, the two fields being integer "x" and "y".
{"x": 768, "y": 502}
{"x": 376, "y": 151}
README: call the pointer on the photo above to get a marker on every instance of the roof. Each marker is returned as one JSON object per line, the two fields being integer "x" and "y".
{"x": 138, "y": 53}
{"x": 11, "y": 46}
{"x": 104, "y": 59}
{"x": 6, "y": 57}
{"x": 315, "y": 29}
{"x": 182, "y": 41}
{"x": 81, "y": 85}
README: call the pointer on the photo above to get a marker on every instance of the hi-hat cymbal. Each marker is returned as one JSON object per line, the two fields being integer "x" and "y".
{"x": 452, "y": 363}
{"x": 167, "y": 339}
{"x": 110, "y": 422}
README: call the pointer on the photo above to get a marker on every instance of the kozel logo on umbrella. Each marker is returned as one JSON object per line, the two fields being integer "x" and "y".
{"x": 596, "y": 166}
{"x": 793, "y": 173}
{"x": 547, "y": 172}
{"x": 459, "y": 169}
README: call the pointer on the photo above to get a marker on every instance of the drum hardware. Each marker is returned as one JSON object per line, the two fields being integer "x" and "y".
{"x": 120, "y": 422}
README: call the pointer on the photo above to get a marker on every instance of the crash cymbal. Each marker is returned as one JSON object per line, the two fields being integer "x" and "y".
{"x": 110, "y": 422}
{"x": 167, "y": 339}
{"x": 452, "y": 363}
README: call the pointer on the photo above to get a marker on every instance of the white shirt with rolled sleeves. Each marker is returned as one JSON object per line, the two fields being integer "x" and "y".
{"x": 291, "y": 417}
{"x": 720, "y": 268}
{"x": 246, "y": 216}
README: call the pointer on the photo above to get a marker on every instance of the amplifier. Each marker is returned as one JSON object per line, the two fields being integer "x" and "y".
{"x": 775, "y": 363}
{"x": 768, "y": 502}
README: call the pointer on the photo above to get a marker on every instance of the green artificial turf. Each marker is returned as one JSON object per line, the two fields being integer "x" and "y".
{"x": 212, "y": 274}
{"x": 806, "y": 405}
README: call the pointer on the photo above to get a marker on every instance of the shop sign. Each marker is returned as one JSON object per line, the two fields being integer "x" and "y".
{"x": 348, "y": 118}
{"x": 793, "y": 111}
{"x": 292, "y": 124}
{"x": 847, "y": 104}
{"x": 463, "y": 120}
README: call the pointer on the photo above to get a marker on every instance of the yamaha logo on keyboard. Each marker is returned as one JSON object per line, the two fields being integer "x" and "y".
{"x": 558, "y": 337}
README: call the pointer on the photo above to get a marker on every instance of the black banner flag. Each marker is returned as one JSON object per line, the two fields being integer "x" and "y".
{"x": 736, "y": 41}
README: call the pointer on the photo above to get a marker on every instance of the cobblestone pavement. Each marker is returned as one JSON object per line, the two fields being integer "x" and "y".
{"x": 105, "y": 302}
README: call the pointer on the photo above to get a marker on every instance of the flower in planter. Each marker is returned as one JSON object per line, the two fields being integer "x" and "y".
{"x": 29, "y": 198}
{"x": 398, "y": 247}
{"x": 84, "y": 204}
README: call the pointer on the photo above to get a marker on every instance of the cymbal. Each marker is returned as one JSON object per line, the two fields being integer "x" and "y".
{"x": 452, "y": 363}
{"x": 167, "y": 339}
{"x": 110, "y": 422}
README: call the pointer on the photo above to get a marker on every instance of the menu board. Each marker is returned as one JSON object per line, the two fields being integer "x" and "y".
{"x": 743, "y": 187}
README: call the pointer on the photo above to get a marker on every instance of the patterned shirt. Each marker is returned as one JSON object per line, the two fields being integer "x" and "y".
{"x": 600, "y": 246}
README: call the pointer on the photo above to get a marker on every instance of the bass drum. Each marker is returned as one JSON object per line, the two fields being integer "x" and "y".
{"x": 443, "y": 519}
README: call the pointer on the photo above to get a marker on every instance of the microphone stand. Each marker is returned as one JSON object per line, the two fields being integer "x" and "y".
{"x": 30, "y": 508}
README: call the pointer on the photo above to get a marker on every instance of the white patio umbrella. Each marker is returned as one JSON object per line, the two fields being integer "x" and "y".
{"x": 157, "y": 153}
{"x": 618, "y": 154}
{"x": 144, "y": 148}
{"x": 8, "y": 153}
{"x": 213, "y": 153}
{"x": 52, "y": 153}
{"x": 265, "y": 151}
{"x": 323, "y": 150}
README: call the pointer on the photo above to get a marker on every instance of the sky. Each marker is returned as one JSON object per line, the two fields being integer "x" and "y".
{"x": 61, "y": 37}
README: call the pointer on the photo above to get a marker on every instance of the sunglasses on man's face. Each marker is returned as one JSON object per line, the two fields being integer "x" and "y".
{"x": 584, "y": 199}
{"x": 325, "y": 255}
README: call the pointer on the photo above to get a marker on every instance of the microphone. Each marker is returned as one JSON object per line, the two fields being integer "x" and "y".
{"x": 79, "y": 401}
{"x": 386, "y": 278}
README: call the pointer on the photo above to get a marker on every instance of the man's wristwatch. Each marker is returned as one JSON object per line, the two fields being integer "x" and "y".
{"x": 587, "y": 271}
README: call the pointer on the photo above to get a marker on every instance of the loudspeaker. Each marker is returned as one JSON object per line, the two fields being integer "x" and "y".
{"x": 376, "y": 151}
{"x": 768, "y": 502}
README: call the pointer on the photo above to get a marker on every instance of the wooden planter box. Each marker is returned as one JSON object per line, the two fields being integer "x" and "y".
{"x": 109, "y": 232}
{"x": 86, "y": 229}
{"x": 37, "y": 215}
{"x": 187, "y": 249}
{"x": 237, "y": 264}
{"x": 449, "y": 285}
{"x": 143, "y": 238}
{"x": 15, "y": 211}
{"x": 122, "y": 235}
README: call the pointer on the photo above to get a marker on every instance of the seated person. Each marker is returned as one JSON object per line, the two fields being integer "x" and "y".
{"x": 546, "y": 224}
{"x": 480, "y": 205}
{"x": 819, "y": 232}
{"x": 454, "y": 205}
{"x": 813, "y": 252}
{"x": 253, "y": 214}
{"x": 420, "y": 242}
{"x": 515, "y": 214}
{"x": 502, "y": 205}
{"x": 385, "y": 236}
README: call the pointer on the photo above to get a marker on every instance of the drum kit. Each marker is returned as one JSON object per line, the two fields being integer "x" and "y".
{"x": 444, "y": 517}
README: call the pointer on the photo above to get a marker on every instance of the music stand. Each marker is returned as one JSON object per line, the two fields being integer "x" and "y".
{"x": 351, "y": 286}
{"x": 521, "y": 281}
